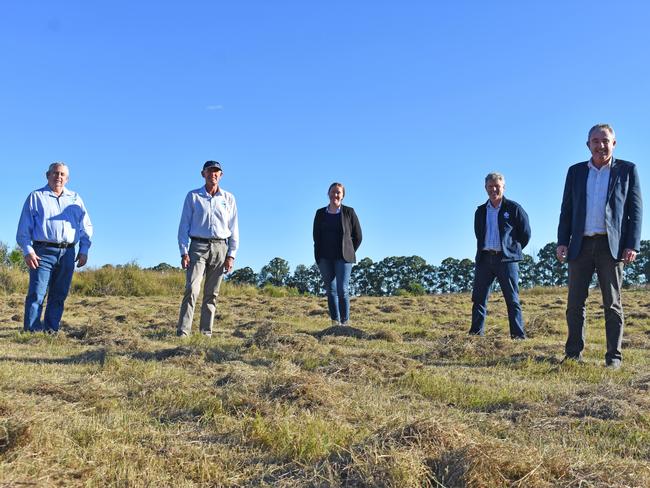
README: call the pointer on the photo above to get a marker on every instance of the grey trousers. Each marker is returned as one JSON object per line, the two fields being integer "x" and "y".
{"x": 206, "y": 259}
{"x": 595, "y": 255}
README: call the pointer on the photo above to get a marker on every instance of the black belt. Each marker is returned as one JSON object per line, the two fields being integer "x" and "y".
{"x": 491, "y": 252}
{"x": 207, "y": 241}
{"x": 58, "y": 245}
{"x": 595, "y": 236}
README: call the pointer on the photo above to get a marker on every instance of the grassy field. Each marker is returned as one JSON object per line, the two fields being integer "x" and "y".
{"x": 404, "y": 398}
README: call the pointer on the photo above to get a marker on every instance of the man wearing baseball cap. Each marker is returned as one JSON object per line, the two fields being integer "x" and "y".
{"x": 208, "y": 238}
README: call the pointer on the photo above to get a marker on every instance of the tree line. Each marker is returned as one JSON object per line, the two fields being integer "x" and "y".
{"x": 395, "y": 275}
{"x": 414, "y": 276}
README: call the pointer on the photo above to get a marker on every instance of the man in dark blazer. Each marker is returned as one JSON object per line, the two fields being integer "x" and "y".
{"x": 502, "y": 231}
{"x": 599, "y": 230}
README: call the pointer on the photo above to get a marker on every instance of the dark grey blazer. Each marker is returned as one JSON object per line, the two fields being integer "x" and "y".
{"x": 351, "y": 233}
{"x": 623, "y": 211}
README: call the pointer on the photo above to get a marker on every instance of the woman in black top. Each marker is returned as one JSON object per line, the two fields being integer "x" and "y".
{"x": 337, "y": 235}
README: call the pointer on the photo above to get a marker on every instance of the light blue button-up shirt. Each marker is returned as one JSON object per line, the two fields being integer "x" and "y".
{"x": 597, "y": 186}
{"x": 492, "y": 237}
{"x": 209, "y": 217}
{"x": 46, "y": 217}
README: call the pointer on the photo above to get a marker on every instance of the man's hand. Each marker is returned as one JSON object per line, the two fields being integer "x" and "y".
{"x": 185, "y": 261}
{"x": 81, "y": 260}
{"x": 228, "y": 264}
{"x": 562, "y": 252}
{"x": 31, "y": 260}
{"x": 629, "y": 255}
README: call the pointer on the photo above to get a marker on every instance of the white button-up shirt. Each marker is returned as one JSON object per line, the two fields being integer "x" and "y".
{"x": 209, "y": 217}
{"x": 51, "y": 218}
{"x": 492, "y": 237}
{"x": 597, "y": 186}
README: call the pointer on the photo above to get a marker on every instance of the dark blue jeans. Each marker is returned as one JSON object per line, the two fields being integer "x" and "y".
{"x": 336, "y": 275}
{"x": 489, "y": 267}
{"x": 54, "y": 273}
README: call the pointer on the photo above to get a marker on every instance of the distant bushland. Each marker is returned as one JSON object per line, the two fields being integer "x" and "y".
{"x": 393, "y": 275}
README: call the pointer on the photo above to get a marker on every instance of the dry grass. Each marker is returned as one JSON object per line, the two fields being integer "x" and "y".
{"x": 278, "y": 398}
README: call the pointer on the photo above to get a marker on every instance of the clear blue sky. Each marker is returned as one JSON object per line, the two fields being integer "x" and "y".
{"x": 409, "y": 103}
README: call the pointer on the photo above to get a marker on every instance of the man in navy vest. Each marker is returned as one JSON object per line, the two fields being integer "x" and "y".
{"x": 502, "y": 231}
{"x": 599, "y": 230}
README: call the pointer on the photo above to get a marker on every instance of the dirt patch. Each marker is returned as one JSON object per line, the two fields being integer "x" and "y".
{"x": 541, "y": 325}
{"x": 305, "y": 390}
{"x": 13, "y": 434}
{"x": 380, "y": 366}
{"x": 597, "y": 407}
{"x": 387, "y": 335}
{"x": 641, "y": 383}
{"x": 342, "y": 331}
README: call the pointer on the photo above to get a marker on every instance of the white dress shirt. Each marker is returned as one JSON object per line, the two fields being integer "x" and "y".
{"x": 597, "y": 186}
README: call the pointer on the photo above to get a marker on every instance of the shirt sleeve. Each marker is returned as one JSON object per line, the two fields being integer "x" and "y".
{"x": 184, "y": 226}
{"x": 233, "y": 225}
{"x": 85, "y": 229}
{"x": 26, "y": 227}
{"x": 524, "y": 230}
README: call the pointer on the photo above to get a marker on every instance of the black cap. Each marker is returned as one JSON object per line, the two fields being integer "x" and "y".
{"x": 212, "y": 164}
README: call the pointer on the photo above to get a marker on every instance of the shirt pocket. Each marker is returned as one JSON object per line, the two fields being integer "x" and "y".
{"x": 222, "y": 210}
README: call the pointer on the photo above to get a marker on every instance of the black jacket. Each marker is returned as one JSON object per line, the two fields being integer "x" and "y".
{"x": 351, "y": 233}
{"x": 514, "y": 229}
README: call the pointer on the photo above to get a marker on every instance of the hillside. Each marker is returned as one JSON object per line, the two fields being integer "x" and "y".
{"x": 404, "y": 398}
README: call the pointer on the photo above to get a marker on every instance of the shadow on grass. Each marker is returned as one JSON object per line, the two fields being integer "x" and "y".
{"x": 96, "y": 356}
{"x": 433, "y": 359}
{"x": 211, "y": 355}
{"x": 342, "y": 331}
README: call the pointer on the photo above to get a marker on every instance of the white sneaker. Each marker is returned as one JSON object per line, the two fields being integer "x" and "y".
{"x": 346, "y": 323}
{"x": 335, "y": 323}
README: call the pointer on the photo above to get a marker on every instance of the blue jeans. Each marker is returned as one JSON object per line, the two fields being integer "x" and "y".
{"x": 336, "y": 275}
{"x": 489, "y": 267}
{"x": 54, "y": 272}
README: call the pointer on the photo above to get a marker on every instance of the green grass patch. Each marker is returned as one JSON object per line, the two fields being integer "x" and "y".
{"x": 457, "y": 391}
{"x": 303, "y": 437}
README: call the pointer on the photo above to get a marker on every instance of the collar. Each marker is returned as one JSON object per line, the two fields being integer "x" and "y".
{"x": 489, "y": 204}
{"x": 204, "y": 192}
{"x": 608, "y": 166}
{"x": 338, "y": 210}
{"x": 48, "y": 190}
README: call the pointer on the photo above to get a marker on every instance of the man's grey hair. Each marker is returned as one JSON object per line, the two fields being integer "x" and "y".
{"x": 606, "y": 127}
{"x": 495, "y": 177}
{"x": 56, "y": 164}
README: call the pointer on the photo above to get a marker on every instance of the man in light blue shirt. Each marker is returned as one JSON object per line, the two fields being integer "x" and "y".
{"x": 208, "y": 238}
{"x": 53, "y": 220}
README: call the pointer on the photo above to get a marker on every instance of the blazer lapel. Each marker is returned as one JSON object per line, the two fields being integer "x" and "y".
{"x": 581, "y": 187}
{"x": 613, "y": 178}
